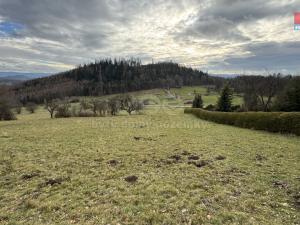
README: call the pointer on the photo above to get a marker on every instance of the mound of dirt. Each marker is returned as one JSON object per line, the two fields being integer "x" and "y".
{"x": 193, "y": 157}
{"x": 113, "y": 162}
{"x": 131, "y": 179}
{"x": 220, "y": 157}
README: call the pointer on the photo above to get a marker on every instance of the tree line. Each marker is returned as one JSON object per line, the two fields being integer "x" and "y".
{"x": 74, "y": 107}
{"x": 93, "y": 107}
{"x": 271, "y": 93}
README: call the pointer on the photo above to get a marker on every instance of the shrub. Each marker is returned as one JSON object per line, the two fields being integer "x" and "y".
{"x": 87, "y": 108}
{"x": 127, "y": 103}
{"x": 31, "y": 107}
{"x": 103, "y": 108}
{"x": 269, "y": 121}
{"x": 149, "y": 102}
{"x": 63, "y": 109}
{"x": 5, "y": 110}
{"x": 114, "y": 106}
{"x": 74, "y": 100}
{"x": 94, "y": 107}
{"x": 85, "y": 105}
{"x": 211, "y": 107}
{"x": 139, "y": 106}
{"x": 236, "y": 108}
{"x": 130, "y": 104}
{"x": 74, "y": 111}
{"x": 94, "y": 104}
{"x": 85, "y": 114}
{"x": 18, "y": 107}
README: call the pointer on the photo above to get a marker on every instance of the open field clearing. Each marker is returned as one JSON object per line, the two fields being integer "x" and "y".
{"x": 187, "y": 93}
{"x": 177, "y": 97}
{"x": 161, "y": 167}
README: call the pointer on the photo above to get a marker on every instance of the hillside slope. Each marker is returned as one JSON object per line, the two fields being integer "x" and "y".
{"x": 109, "y": 77}
{"x": 72, "y": 171}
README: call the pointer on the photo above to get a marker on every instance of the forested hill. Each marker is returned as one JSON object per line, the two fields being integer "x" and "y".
{"x": 109, "y": 77}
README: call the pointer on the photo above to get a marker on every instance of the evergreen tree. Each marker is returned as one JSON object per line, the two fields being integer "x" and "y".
{"x": 225, "y": 100}
{"x": 198, "y": 103}
{"x": 51, "y": 106}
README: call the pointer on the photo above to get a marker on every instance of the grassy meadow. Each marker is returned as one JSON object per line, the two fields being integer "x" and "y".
{"x": 159, "y": 167}
{"x": 184, "y": 95}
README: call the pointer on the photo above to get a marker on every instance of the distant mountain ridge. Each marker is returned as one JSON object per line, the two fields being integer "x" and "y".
{"x": 228, "y": 76}
{"x": 21, "y": 76}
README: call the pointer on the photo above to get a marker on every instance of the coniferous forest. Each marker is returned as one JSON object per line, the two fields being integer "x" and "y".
{"x": 108, "y": 76}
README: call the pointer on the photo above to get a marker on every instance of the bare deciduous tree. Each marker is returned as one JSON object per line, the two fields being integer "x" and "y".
{"x": 18, "y": 107}
{"x": 51, "y": 106}
{"x": 259, "y": 91}
{"x": 114, "y": 106}
{"x": 63, "y": 109}
{"x": 103, "y": 108}
{"x": 130, "y": 104}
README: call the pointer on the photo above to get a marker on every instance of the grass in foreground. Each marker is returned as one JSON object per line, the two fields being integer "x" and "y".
{"x": 189, "y": 171}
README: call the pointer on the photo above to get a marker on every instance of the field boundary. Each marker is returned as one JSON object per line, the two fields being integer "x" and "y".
{"x": 277, "y": 122}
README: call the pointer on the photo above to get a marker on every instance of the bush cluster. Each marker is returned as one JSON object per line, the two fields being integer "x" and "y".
{"x": 6, "y": 112}
{"x": 283, "y": 122}
{"x": 31, "y": 107}
{"x": 93, "y": 107}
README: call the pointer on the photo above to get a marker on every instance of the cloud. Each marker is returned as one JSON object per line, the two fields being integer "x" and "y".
{"x": 270, "y": 57}
{"x": 72, "y": 22}
{"x": 222, "y": 19}
{"x": 210, "y": 34}
{"x": 251, "y": 29}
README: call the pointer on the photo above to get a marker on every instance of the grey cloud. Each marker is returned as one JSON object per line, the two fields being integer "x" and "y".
{"x": 70, "y": 32}
{"x": 78, "y": 23}
{"x": 61, "y": 31}
{"x": 219, "y": 29}
{"x": 239, "y": 11}
{"x": 270, "y": 57}
{"x": 220, "y": 20}
{"x": 70, "y": 21}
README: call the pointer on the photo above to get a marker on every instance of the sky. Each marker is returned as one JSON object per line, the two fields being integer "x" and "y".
{"x": 216, "y": 36}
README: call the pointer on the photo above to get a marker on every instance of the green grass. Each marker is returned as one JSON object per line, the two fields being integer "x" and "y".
{"x": 212, "y": 98}
{"x": 255, "y": 184}
{"x": 185, "y": 94}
